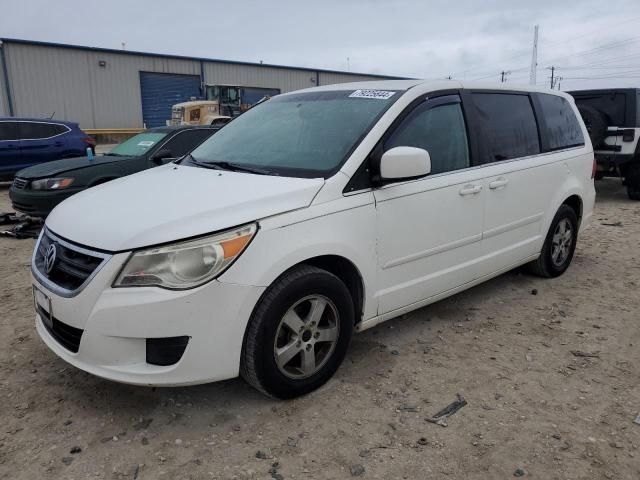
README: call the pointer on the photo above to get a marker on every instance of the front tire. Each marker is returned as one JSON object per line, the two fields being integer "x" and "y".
{"x": 559, "y": 245}
{"x": 298, "y": 334}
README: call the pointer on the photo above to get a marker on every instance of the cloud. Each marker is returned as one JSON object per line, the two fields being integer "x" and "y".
{"x": 427, "y": 39}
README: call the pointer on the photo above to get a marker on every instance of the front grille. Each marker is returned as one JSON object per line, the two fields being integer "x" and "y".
{"x": 71, "y": 266}
{"x": 19, "y": 183}
{"x": 66, "y": 335}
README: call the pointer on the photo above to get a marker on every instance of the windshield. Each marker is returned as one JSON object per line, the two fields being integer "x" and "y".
{"x": 301, "y": 135}
{"x": 138, "y": 144}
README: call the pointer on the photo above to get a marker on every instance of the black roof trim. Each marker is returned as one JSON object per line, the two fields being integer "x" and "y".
{"x": 183, "y": 57}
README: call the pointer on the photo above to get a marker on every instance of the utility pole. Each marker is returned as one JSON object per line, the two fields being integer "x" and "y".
{"x": 503, "y": 76}
{"x": 534, "y": 57}
{"x": 559, "y": 79}
{"x": 553, "y": 80}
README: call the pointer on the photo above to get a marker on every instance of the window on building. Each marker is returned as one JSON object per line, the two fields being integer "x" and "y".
{"x": 508, "y": 125}
{"x": 440, "y": 131}
{"x": 562, "y": 127}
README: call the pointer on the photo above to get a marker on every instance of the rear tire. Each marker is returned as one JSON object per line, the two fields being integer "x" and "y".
{"x": 633, "y": 191}
{"x": 298, "y": 333}
{"x": 559, "y": 245}
{"x": 632, "y": 180}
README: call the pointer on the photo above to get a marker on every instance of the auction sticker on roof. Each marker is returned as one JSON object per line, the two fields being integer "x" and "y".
{"x": 376, "y": 94}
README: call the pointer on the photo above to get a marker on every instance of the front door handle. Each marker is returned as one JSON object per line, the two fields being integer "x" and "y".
{"x": 498, "y": 183}
{"x": 470, "y": 189}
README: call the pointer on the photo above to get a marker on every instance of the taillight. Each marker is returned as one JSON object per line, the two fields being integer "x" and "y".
{"x": 89, "y": 141}
{"x": 594, "y": 168}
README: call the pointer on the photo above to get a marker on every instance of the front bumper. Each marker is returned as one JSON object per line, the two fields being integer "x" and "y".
{"x": 116, "y": 322}
{"x": 38, "y": 203}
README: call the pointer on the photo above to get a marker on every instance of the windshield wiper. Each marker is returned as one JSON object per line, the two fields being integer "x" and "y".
{"x": 233, "y": 167}
{"x": 236, "y": 167}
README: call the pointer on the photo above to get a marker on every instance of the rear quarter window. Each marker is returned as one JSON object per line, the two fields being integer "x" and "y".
{"x": 36, "y": 130}
{"x": 508, "y": 126}
{"x": 560, "y": 128}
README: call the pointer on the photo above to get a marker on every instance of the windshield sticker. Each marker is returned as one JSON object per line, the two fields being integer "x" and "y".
{"x": 377, "y": 94}
{"x": 146, "y": 143}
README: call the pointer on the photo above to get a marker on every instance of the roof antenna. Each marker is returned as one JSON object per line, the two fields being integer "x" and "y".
{"x": 54, "y": 112}
{"x": 124, "y": 45}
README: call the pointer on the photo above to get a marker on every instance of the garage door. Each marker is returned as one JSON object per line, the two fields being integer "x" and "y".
{"x": 160, "y": 91}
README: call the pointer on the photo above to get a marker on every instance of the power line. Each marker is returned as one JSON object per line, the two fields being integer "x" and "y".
{"x": 599, "y": 49}
{"x": 617, "y": 23}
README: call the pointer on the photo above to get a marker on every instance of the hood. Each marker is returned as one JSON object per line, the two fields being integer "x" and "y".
{"x": 174, "y": 202}
{"x": 49, "y": 169}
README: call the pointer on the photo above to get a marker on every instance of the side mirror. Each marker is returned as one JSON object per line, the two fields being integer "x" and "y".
{"x": 404, "y": 163}
{"x": 161, "y": 155}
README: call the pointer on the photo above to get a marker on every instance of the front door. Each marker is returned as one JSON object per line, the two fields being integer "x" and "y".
{"x": 430, "y": 230}
{"x": 9, "y": 148}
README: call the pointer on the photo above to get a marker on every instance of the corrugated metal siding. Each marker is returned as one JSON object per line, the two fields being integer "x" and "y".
{"x": 255, "y": 76}
{"x": 4, "y": 105}
{"x": 327, "y": 78}
{"x": 72, "y": 84}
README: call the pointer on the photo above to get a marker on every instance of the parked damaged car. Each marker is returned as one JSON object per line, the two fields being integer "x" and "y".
{"x": 38, "y": 189}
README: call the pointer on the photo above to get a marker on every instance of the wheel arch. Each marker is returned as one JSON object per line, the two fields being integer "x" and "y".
{"x": 346, "y": 271}
{"x": 575, "y": 202}
{"x": 341, "y": 267}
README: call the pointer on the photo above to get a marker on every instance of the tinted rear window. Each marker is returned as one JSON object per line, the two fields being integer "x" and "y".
{"x": 8, "y": 131}
{"x": 33, "y": 130}
{"x": 508, "y": 125}
{"x": 562, "y": 127}
{"x": 184, "y": 142}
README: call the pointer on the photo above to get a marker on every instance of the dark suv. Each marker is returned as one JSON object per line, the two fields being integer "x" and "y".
{"x": 29, "y": 141}
{"x": 612, "y": 117}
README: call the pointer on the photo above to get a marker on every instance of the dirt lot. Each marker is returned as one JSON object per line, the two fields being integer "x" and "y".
{"x": 532, "y": 404}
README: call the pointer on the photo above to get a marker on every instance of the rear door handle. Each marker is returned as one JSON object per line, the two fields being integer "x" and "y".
{"x": 470, "y": 189}
{"x": 498, "y": 183}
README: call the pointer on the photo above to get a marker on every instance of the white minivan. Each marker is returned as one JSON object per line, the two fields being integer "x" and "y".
{"x": 315, "y": 214}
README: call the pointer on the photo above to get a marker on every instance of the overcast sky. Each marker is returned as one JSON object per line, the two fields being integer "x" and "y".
{"x": 593, "y": 43}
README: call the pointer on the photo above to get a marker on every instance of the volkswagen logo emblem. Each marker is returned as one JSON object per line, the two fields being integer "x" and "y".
{"x": 50, "y": 258}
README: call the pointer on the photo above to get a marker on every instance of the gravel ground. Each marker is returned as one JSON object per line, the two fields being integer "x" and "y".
{"x": 535, "y": 409}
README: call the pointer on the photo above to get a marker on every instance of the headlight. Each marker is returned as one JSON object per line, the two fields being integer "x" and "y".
{"x": 51, "y": 183}
{"x": 185, "y": 264}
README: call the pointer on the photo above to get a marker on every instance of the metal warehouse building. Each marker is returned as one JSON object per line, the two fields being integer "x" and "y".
{"x": 117, "y": 89}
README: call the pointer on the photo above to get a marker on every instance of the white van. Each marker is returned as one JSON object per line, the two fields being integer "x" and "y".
{"x": 315, "y": 214}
